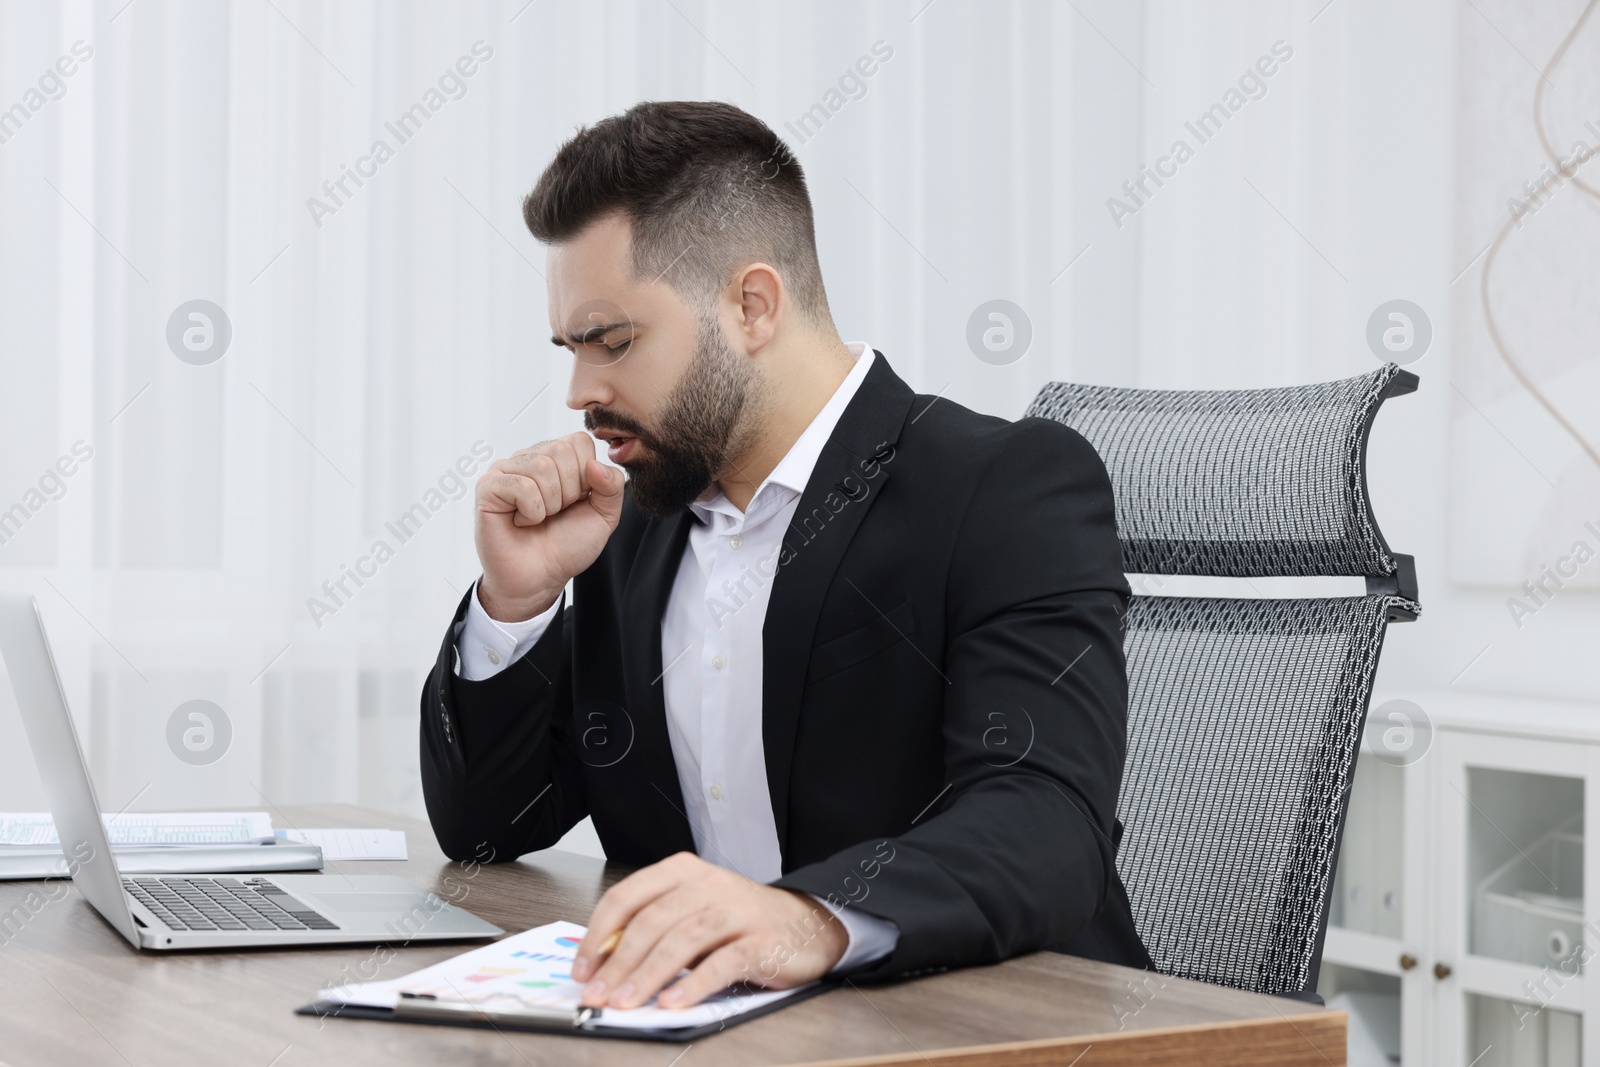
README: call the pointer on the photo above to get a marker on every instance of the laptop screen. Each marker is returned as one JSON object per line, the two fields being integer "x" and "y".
{"x": 73, "y": 806}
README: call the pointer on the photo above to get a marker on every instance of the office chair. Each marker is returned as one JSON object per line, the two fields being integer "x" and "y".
{"x": 1244, "y": 715}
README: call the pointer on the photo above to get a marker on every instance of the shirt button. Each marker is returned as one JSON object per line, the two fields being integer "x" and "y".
{"x": 717, "y": 663}
{"x": 716, "y": 792}
{"x": 735, "y": 541}
{"x": 494, "y": 657}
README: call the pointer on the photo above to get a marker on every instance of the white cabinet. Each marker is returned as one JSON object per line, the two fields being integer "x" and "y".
{"x": 1462, "y": 929}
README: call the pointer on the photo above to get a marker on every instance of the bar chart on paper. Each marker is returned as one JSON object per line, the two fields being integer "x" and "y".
{"x": 533, "y": 970}
{"x": 527, "y": 976}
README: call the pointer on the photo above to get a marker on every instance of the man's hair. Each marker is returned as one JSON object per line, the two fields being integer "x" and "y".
{"x": 707, "y": 188}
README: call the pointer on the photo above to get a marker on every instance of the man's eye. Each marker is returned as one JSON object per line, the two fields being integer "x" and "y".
{"x": 596, "y": 351}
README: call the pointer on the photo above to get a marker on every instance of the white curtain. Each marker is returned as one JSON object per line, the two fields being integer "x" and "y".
{"x": 387, "y": 334}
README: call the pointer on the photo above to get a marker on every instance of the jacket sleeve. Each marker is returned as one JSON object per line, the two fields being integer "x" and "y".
{"x": 1016, "y": 853}
{"x": 499, "y": 775}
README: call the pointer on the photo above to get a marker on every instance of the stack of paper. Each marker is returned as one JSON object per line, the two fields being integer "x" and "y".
{"x": 31, "y": 848}
{"x": 36, "y": 829}
{"x": 351, "y": 844}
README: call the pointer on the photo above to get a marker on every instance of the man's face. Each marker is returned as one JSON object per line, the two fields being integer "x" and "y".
{"x": 655, "y": 377}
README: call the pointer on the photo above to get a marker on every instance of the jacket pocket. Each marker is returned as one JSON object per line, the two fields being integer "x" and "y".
{"x": 881, "y": 633}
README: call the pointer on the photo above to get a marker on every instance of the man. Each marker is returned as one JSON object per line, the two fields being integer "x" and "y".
{"x": 842, "y": 671}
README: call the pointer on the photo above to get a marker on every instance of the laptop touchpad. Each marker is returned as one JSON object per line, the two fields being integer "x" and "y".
{"x": 392, "y": 902}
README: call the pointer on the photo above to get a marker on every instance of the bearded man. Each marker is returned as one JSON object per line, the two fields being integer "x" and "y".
{"x": 842, "y": 670}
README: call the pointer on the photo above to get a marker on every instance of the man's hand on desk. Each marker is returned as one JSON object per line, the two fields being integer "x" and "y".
{"x": 685, "y": 912}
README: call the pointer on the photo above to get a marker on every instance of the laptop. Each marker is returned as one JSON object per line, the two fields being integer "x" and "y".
{"x": 197, "y": 910}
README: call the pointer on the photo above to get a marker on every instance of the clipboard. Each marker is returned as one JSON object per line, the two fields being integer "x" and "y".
{"x": 428, "y": 1012}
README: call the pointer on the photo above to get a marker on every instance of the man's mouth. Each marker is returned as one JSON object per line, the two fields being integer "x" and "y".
{"x": 621, "y": 445}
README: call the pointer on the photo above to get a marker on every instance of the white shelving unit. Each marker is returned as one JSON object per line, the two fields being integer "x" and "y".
{"x": 1463, "y": 922}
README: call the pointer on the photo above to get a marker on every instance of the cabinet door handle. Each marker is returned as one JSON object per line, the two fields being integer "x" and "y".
{"x": 1407, "y": 961}
{"x": 1441, "y": 971}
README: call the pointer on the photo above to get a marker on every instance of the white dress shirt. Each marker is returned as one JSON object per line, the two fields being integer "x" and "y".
{"x": 712, "y": 654}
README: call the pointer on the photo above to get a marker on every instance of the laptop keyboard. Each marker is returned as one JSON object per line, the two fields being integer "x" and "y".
{"x": 196, "y": 903}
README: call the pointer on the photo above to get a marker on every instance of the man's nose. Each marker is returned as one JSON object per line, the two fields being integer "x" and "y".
{"x": 588, "y": 387}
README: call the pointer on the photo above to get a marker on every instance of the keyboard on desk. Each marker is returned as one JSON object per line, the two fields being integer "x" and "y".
{"x": 186, "y": 902}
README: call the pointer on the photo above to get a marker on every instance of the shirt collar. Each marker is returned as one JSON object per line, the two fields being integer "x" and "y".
{"x": 794, "y": 469}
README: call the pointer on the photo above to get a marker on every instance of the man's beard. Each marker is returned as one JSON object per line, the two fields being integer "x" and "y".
{"x": 698, "y": 431}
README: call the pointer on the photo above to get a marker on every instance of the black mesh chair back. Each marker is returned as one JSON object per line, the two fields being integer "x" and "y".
{"x": 1244, "y": 715}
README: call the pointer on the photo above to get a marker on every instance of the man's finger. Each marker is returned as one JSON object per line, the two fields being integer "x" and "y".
{"x": 573, "y": 483}
{"x": 606, "y": 484}
{"x": 502, "y": 493}
{"x": 545, "y": 472}
{"x": 625, "y": 899}
{"x": 729, "y": 964}
{"x": 639, "y": 938}
{"x": 582, "y": 443}
{"x": 695, "y": 936}
{"x": 556, "y": 465}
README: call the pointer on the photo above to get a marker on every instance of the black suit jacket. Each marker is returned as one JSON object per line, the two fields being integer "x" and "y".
{"x": 944, "y": 701}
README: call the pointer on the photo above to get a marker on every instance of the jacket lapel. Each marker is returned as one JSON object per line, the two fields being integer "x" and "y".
{"x": 849, "y": 476}
{"x": 644, "y": 601}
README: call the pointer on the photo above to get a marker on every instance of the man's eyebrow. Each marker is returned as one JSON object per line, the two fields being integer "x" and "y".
{"x": 593, "y": 333}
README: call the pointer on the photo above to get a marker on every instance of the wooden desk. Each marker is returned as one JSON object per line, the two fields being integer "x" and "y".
{"x": 72, "y": 991}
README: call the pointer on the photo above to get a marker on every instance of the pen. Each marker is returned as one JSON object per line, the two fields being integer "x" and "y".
{"x": 430, "y": 1007}
{"x": 610, "y": 944}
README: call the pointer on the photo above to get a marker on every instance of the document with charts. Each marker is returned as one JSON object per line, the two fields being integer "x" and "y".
{"x": 533, "y": 970}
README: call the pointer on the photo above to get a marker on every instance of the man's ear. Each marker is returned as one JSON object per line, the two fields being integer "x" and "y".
{"x": 762, "y": 299}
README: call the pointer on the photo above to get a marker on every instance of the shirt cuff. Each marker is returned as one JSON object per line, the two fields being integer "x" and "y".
{"x": 871, "y": 938}
{"x": 485, "y": 647}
